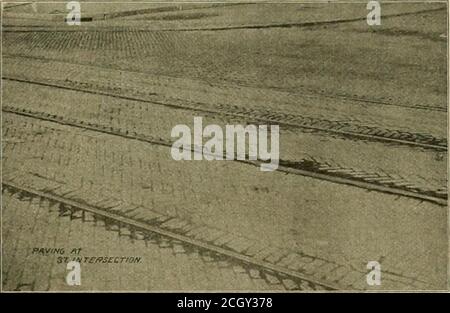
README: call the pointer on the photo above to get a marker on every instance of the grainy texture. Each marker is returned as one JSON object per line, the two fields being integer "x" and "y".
{"x": 87, "y": 115}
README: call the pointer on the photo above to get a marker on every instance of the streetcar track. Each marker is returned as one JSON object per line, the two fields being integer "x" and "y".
{"x": 137, "y": 226}
{"x": 243, "y": 27}
{"x": 303, "y": 24}
{"x": 346, "y": 176}
{"x": 314, "y": 93}
{"x": 356, "y": 98}
{"x": 342, "y": 129}
{"x": 303, "y": 167}
{"x": 10, "y": 6}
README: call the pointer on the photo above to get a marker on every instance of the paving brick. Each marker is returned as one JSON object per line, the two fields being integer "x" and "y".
{"x": 45, "y": 274}
{"x": 290, "y": 284}
{"x": 111, "y": 184}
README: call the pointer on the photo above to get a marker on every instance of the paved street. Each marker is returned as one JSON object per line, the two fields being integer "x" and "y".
{"x": 165, "y": 264}
{"x": 87, "y": 116}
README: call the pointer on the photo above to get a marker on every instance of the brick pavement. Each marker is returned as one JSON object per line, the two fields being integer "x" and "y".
{"x": 33, "y": 222}
{"x": 141, "y": 181}
{"x": 275, "y": 58}
{"x": 295, "y": 145}
{"x": 322, "y": 230}
{"x": 190, "y": 92}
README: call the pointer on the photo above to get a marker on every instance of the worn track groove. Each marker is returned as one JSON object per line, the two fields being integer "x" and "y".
{"x": 367, "y": 180}
{"x": 342, "y": 129}
{"x": 168, "y": 234}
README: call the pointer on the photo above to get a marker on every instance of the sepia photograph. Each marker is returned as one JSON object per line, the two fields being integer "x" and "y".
{"x": 224, "y": 146}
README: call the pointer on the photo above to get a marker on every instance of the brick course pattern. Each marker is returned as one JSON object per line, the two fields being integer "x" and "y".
{"x": 119, "y": 176}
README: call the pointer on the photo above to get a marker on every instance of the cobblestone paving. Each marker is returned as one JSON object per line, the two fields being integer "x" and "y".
{"x": 278, "y": 58}
{"x": 164, "y": 264}
{"x": 117, "y": 175}
{"x": 193, "y": 92}
{"x": 156, "y": 121}
{"x": 221, "y": 225}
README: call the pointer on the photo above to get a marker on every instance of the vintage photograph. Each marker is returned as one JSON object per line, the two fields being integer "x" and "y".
{"x": 160, "y": 146}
